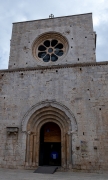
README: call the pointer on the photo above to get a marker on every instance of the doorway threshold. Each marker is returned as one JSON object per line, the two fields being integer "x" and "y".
{"x": 46, "y": 169}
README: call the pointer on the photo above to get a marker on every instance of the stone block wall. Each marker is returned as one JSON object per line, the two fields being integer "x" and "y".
{"x": 77, "y": 29}
{"x": 83, "y": 89}
{"x": 75, "y": 81}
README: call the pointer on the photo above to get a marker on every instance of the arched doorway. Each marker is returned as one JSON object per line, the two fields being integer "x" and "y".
{"x": 39, "y": 119}
{"x": 50, "y": 145}
{"x": 34, "y": 120}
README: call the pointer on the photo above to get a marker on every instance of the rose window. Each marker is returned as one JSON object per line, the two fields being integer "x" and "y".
{"x": 50, "y": 50}
{"x": 49, "y": 47}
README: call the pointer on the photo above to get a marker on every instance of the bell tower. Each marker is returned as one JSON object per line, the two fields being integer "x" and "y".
{"x": 53, "y": 41}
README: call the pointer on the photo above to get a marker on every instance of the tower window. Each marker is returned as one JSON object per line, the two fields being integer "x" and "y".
{"x": 50, "y": 50}
{"x": 50, "y": 47}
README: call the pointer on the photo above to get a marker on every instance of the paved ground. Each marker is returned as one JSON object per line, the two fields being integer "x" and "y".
{"x": 9, "y": 174}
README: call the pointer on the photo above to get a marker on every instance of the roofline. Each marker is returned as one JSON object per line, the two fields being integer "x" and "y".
{"x": 51, "y": 18}
{"x": 55, "y": 67}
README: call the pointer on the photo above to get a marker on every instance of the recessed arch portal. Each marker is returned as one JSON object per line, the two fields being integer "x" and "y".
{"x": 36, "y": 118}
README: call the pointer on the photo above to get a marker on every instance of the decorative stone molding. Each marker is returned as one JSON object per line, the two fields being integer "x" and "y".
{"x": 36, "y": 117}
{"x": 40, "y": 44}
{"x": 72, "y": 132}
{"x": 47, "y": 103}
{"x": 12, "y": 130}
{"x": 55, "y": 67}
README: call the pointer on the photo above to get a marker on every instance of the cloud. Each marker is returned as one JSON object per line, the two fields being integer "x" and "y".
{"x": 15, "y": 11}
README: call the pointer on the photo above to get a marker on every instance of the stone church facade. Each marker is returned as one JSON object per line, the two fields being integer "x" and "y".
{"x": 54, "y": 97}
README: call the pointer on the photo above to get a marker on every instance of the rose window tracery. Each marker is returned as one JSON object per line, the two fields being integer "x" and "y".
{"x": 50, "y": 50}
{"x": 49, "y": 47}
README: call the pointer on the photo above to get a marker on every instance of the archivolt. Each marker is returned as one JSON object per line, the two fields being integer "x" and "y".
{"x": 41, "y": 113}
{"x": 48, "y": 110}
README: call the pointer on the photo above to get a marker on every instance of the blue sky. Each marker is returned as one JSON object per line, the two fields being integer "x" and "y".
{"x": 21, "y": 10}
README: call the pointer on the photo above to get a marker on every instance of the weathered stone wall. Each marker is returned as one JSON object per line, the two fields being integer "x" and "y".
{"x": 78, "y": 30}
{"x": 82, "y": 89}
{"x": 76, "y": 82}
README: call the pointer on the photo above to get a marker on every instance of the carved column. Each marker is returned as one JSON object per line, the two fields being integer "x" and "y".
{"x": 70, "y": 151}
{"x": 63, "y": 150}
{"x": 31, "y": 150}
{"x": 34, "y": 150}
{"x": 67, "y": 151}
{"x": 28, "y": 148}
{"x": 37, "y": 149}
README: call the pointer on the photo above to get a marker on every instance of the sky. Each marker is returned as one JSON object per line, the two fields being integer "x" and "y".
{"x": 21, "y": 10}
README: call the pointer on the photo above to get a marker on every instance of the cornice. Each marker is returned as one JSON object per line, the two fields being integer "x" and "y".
{"x": 55, "y": 67}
